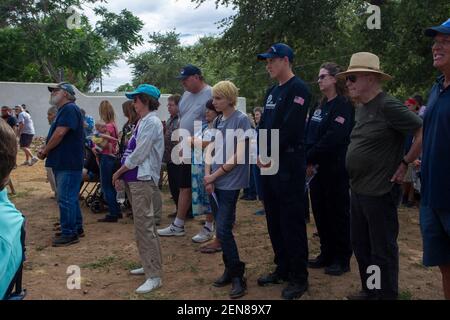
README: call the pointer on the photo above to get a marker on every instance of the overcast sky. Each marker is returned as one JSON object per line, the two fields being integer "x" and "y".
{"x": 162, "y": 16}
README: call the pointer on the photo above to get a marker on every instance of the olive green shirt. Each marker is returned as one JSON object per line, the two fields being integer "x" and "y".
{"x": 377, "y": 144}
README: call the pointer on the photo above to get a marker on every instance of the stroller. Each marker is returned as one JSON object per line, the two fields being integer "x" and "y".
{"x": 91, "y": 189}
{"x": 94, "y": 199}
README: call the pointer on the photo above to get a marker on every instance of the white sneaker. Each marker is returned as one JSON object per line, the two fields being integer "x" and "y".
{"x": 149, "y": 285}
{"x": 137, "y": 272}
{"x": 171, "y": 231}
{"x": 26, "y": 163}
{"x": 204, "y": 235}
{"x": 33, "y": 161}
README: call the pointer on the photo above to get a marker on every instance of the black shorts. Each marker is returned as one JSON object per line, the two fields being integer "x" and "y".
{"x": 25, "y": 140}
{"x": 185, "y": 176}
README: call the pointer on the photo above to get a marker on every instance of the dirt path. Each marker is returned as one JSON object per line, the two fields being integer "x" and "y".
{"x": 108, "y": 251}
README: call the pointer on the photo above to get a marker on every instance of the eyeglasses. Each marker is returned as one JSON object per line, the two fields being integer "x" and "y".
{"x": 322, "y": 76}
{"x": 352, "y": 78}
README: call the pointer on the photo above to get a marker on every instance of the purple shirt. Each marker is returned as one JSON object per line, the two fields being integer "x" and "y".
{"x": 130, "y": 175}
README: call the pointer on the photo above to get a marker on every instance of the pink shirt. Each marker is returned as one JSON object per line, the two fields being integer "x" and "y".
{"x": 112, "y": 145}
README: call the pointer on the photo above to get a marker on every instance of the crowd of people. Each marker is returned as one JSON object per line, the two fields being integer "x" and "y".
{"x": 351, "y": 153}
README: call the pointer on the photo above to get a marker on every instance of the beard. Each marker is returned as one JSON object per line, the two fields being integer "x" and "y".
{"x": 55, "y": 100}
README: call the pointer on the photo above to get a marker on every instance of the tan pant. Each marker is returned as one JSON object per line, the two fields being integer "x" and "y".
{"x": 142, "y": 194}
{"x": 156, "y": 203}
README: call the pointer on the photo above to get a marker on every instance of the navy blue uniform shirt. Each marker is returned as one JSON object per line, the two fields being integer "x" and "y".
{"x": 69, "y": 154}
{"x": 328, "y": 131}
{"x": 436, "y": 149}
{"x": 285, "y": 108}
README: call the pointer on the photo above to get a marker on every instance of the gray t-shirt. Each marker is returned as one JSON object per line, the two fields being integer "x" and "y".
{"x": 28, "y": 127}
{"x": 238, "y": 178}
{"x": 193, "y": 108}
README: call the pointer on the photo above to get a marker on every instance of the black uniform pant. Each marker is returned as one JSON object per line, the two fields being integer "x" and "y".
{"x": 330, "y": 200}
{"x": 374, "y": 228}
{"x": 173, "y": 177}
{"x": 286, "y": 218}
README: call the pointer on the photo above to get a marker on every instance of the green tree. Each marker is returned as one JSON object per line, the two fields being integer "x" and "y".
{"x": 40, "y": 46}
{"x": 125, "y": 88}
{"x": 331, "y": 30}
{"x": 161, "y": 65}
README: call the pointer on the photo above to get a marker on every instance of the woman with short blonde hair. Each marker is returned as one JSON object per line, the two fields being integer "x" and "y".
{"x": 223, "y": 181}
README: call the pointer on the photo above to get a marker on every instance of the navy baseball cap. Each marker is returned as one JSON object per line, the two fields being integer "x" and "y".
{"x": 443, "y": 28}
{"x": 63, "y": 86}
{"x": 188, "y": 71}
{"x": 147, "y": 89}
{"x": 278, "y": 50}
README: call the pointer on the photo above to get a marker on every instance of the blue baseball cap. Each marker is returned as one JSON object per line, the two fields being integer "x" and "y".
{"x": 189, "y": 70}
{"x": 147, "y": 89}
{"x": 278, "y": 50}
{"x": 63, "y": 86}
{"x": 443, "y": 28}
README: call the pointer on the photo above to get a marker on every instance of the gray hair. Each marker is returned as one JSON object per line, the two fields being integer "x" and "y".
{"x": 52, "y": 110}
{"x": 70, "y": 96}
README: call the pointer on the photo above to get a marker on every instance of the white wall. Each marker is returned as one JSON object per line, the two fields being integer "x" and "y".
{"x": 36, "y": 97}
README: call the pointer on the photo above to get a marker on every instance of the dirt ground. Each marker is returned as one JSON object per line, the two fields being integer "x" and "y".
{"x": 108, "y": 251}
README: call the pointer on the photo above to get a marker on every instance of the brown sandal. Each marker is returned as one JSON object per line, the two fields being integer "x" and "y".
{"x": 211, "y": 248}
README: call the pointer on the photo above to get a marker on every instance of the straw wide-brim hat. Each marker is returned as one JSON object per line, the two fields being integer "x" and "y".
{"x": 364, "y": 62}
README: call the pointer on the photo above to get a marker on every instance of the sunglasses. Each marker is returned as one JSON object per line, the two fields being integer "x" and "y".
{"x": 352, "y": 78}
{"x": 322, "y": 76}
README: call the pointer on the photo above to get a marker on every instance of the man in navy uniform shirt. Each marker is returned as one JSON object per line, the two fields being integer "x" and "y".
{"x": 286, "y": 106}
{"x": 435, "y": 210}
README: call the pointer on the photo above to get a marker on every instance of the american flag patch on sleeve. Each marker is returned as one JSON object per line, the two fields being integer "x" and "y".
{"x": 340, "y": 120}
{"x": 299, "y": 100}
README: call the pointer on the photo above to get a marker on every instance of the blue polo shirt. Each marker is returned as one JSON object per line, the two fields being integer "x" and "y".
{"x": 68, "y": 155}
{"x": 11, "y": 254}
{"x": 435, "y": 169}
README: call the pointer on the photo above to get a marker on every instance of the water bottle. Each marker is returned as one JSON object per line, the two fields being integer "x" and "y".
{"x": 120, "y": 192}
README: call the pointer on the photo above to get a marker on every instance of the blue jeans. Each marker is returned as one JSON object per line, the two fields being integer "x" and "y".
{"x": 107, "y": 167}
{"x": 67, "y": 188}
{"x": 250, "y": 192}
{"x": 225, "y": 216}
{"x": 257, "y": 180}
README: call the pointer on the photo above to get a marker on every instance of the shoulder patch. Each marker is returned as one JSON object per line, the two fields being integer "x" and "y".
{"x": 299, "y": 100}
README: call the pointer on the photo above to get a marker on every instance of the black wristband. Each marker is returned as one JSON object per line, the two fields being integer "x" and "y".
{"x": 404, "y": 162}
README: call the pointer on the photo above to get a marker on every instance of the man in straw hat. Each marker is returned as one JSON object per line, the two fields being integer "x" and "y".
{"x": 435, "y": 211}
{"x": 376, "y": 165}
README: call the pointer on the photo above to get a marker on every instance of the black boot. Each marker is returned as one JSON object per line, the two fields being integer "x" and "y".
{"x": 238, "y": 281}
{"x": 224, "y": 280}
